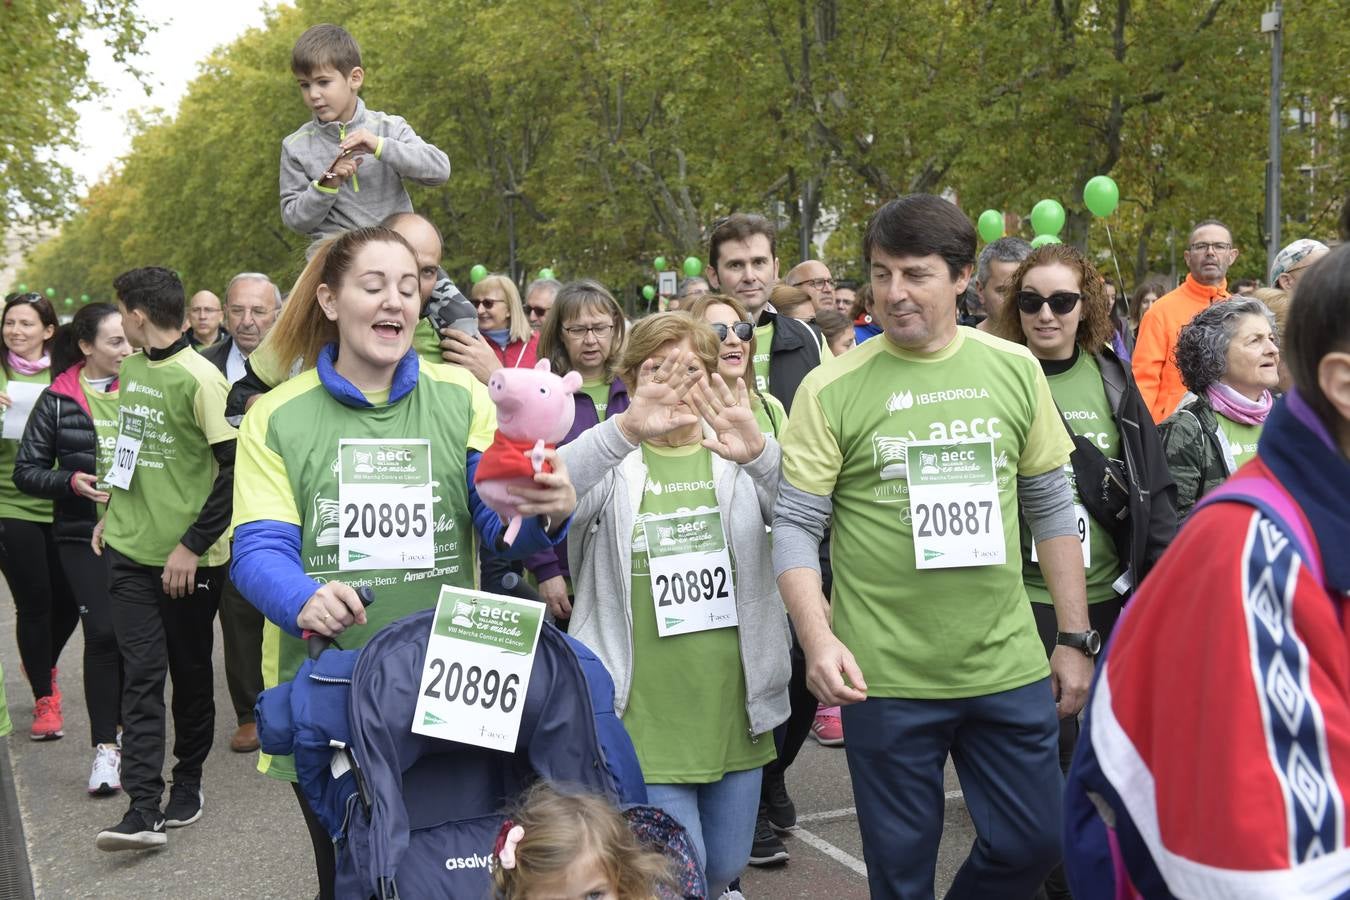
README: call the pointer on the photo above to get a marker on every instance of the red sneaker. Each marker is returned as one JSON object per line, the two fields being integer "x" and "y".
{"x": 47, "y": 722}
{"x": 828, "y": 729}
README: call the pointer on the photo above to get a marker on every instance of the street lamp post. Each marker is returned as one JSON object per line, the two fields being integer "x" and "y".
{"x": 1272, "y": 23}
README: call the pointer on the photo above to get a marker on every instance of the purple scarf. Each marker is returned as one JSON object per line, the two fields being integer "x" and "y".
{"x": 1232, "y": 405}
{"x": 24, "y": 367}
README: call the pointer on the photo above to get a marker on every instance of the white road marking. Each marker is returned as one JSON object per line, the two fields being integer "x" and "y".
{"x": 830, "y": 850}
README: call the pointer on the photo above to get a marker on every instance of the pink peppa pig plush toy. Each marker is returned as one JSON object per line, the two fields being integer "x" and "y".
{"x": 534, "y": 410}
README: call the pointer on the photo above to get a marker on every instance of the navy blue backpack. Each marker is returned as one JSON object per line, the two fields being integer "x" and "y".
{"x": 414, "y": 816}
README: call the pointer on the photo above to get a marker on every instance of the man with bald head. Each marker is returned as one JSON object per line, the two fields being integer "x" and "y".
{"x": 1209, "y": 253}
{"x": 813, "y": 276}
{"x": 203, "y": 319}
{"x": 252, "y": 304}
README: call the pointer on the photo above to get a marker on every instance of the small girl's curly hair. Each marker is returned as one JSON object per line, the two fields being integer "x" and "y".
{"x": 562, "y": 829}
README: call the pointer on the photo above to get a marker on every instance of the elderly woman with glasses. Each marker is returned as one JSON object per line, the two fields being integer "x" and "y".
{"x": 1229, "y": 361}
{"x": 674, "y": 584}
{"x": 583, "y": 331}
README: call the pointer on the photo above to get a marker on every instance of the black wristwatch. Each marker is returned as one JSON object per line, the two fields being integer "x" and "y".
{"x": 1090, "y": 642}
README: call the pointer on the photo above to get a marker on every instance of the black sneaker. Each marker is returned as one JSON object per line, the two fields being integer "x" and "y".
{"x": 768, "y": 849}
{"x": 775, "y": 802}
{"x": 136, "y": 831}
{"x": 185, "y": 805}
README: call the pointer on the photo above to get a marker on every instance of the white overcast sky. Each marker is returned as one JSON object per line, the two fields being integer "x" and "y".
{"x": 187, "y": 34}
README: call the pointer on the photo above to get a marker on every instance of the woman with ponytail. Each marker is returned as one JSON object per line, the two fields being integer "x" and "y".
{"x": 44, "y": 609}
{"x": 68, "y": 441}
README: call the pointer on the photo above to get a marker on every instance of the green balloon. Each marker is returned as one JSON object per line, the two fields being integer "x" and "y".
{"x": 51, "y": 292}
{"x": 648, "y": 292}
{"x": 693, "y": 266}
{"x": 1047, "y": 217}
{"x": 23, "y": 289}
{"x": 546, "y": 272}
{"x": 84, "y": 298}
{"x": 70, "y": 301}
{"x": 1101, "y": 196}
{"x": 659, "y": 263}
{"x": 990, "y": 225}
{"x": 478, "y": 273}
{"x": 1041, "y": 240}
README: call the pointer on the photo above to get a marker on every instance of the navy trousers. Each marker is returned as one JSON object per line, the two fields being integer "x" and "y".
{"x": 1005, "y": 748}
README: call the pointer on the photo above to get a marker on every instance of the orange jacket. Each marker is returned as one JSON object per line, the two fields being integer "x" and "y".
{"x": 1154, "y": 362}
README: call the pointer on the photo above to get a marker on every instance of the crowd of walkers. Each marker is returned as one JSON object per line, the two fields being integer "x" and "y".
{"x": 932, "y": 506}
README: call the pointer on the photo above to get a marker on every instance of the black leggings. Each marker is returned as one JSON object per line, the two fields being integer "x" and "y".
{"x": 45, "y": 610}
{"x": 88, "y": 578}
{"x": 325, "y": 858}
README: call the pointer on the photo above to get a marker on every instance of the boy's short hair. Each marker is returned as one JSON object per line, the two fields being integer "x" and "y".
{"x": 156, "y": 291}
{"x": 324, "y": 46}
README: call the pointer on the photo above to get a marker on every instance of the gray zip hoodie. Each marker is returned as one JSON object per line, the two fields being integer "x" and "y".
{"x": 373, "y": 193}
{"x": 609, "y": 477}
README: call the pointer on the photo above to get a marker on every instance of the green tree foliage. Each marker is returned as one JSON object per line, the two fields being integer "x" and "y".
{"x": 594, "y": 135}
{"x": 44, "y": 72}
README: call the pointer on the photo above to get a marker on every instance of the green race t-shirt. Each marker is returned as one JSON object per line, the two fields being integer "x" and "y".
{"x": 1083, "y": 404}
{"x": 686, "y": 711}
{"x": 933, "y": 633}
{"x": 14, "y": 503}
{"x": 103, "y": 410}
{"x": 598, "y": 391}
{"x": 1242, "y": 439}
{"x": 770, "y": 414}
{"x": 427, "y": 342}
{"x": 181, "y": 401}
{"x": 763, "y": 348}
{"x": 286, "y": 471}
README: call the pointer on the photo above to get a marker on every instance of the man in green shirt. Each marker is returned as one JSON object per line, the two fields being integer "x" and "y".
{"x": 166, "y": 539}
{"x": 922, "y": 445}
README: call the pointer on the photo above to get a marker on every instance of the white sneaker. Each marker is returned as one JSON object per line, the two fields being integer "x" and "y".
{"x": 106, "y": 776}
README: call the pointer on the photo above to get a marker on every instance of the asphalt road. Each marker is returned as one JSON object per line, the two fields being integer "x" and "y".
{"x": 251, "y": 841}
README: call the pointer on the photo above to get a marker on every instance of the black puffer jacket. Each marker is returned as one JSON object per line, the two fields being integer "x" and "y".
{"x": 59, "y": 441}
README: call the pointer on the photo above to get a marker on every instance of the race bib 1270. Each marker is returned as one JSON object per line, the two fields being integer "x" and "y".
{"x": 953, "y": 504}
{"x": 130, "y": 433}
{"x": 477, "y": 668}
{"x": 385, "y": 505}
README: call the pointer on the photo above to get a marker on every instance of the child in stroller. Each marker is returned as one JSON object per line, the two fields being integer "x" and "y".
{"x": 416, "y": 817}
{"x": 556, "y": 845}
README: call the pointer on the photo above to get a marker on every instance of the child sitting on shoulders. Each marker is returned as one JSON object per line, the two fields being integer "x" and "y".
{"x": 322, "y": 192}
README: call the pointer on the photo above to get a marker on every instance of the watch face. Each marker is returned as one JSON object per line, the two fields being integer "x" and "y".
{"x": 1093, "y": 643}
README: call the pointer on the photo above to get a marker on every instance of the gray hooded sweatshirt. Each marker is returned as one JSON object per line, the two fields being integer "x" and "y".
{"x": 373, "y": 193}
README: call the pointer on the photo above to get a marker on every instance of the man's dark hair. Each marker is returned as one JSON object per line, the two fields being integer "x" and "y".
{"x": 1190, "y": 238}
{"x": 922, "y": 225}
{"x": 1319, "y": 323}
{"x": 322, "y": 46}
{"x": 740, "y": 227}
{"x": 1242, "y": 284}
{"x": 156, "y": 291}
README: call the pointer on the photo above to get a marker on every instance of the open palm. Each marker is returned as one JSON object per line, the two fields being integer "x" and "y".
{"x": 737, "y": 437}
{"x": 655, "y": 409}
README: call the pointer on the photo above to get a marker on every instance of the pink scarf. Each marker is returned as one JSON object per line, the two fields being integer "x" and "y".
{"x": 24, "y": 367}
{"x": 1232, "y": 405}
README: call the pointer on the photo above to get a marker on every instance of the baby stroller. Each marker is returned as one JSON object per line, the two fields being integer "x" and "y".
{"x": 417, "y": 817}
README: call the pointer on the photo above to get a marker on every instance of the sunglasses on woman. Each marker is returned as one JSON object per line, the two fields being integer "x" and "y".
{"x": 1061, "y": 302}
{"x": 486, "y": 303}
{"x": 742, "y": 330}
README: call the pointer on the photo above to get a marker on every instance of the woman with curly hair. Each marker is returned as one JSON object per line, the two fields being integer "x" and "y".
{"x": 1229, "y": 361}
{"x": 1123, "y": 493}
